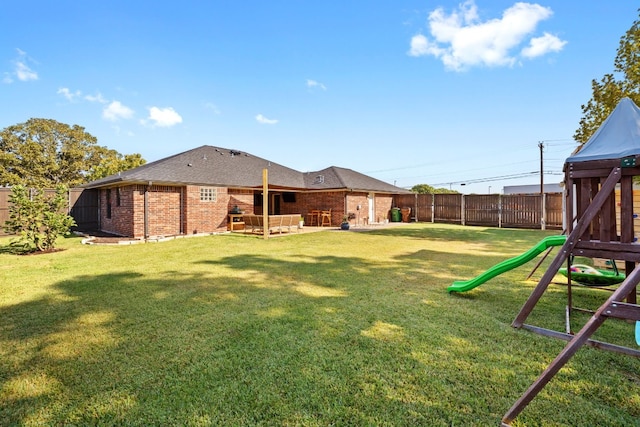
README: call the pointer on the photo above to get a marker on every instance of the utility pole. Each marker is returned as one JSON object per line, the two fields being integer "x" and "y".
{"x": 541, "y": 146}
{"x": 542, "y": 198}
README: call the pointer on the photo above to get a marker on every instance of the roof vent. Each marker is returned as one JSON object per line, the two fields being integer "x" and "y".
{"x": 319, "y": 179}
{"x": 234, "y": 153}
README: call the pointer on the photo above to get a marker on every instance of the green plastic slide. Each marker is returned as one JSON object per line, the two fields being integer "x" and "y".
{"x": 511, "y": 263}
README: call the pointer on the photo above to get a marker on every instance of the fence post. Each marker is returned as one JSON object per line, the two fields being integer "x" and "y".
{"x": 462, "y": 215}
{"x": 433, "y": 208}
{"x": 543, "y": 218}
{"x": 499, "y": 210}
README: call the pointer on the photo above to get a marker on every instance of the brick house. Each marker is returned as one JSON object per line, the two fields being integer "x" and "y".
{"x": 194, "y": 191}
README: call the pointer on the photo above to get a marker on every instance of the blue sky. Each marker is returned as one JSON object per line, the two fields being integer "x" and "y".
{"x": 410, "y": 92}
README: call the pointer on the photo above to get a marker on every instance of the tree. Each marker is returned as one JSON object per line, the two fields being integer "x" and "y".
{"x": 608, "y": 91}
{"x": 113, "y": 162}
{"x": 427, "y": 189}
{"x": 39, "y": 219}
{"x": 45, "y": 153}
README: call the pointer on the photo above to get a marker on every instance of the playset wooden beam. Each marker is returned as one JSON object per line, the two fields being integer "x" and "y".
{"x": 595, "y": 234}
{"x": 613, "y": 307}
{"x": 581, "y": 227}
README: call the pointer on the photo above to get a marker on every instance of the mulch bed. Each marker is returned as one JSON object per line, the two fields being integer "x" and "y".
{"x": 100, "y": 237}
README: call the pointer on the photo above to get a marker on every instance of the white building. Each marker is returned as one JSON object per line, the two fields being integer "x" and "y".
{"x": 531, "y": 189}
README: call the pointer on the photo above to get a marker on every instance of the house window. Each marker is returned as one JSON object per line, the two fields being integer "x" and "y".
{"x": 108, "y": 203}
{"x": 118, "y": 200}
{"x": 208, "y": 194}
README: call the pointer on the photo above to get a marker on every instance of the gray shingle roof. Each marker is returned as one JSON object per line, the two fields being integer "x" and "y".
{"x": 224, "y": 167}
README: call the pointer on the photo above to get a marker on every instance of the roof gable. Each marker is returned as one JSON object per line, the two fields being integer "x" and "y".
{"x": 335, "y": 177}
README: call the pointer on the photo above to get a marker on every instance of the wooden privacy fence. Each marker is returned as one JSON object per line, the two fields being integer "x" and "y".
{"x": 83, "y": 207}
{"x": 489, "y": 210}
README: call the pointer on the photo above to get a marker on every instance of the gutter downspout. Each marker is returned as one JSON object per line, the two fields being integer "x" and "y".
{"x": 346, "y": 203}
{"x": 146, "y": 210}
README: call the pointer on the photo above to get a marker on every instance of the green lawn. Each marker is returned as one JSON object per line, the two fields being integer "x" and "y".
{"x": 330, "y": 328}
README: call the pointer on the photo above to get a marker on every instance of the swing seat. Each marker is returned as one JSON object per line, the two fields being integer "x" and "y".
{"x": 589, "y": 276}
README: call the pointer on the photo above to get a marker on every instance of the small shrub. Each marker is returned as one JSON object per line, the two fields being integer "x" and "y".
{"x": 38, "y": 219}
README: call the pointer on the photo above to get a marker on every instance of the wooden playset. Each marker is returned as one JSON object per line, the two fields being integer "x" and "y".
{"x": 598, "y": 226}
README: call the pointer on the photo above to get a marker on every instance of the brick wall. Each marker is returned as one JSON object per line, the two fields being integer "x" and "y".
{"x": 383, "y": 205}
{"x": 333, "y": 200}
{"x": 179, "y": 210}
{"x": 172, "y": 210}
{"x": 205, "y": 216}
{"x": 122, "y": 211}
{"x": 164, "y": 211}
{"x": 118, "y": 218}
{"x": 337, "y": 201}
{"x": 353, "y": 201}
{"x": 138, "y": 212}
{"x": 243, "y": 199}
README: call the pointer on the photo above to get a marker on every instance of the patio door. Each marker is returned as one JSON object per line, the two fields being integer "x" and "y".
{"x": 372, "y": 209}
{"x": 274, "y": 208}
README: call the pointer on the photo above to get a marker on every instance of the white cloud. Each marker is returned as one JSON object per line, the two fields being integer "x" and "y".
{"x": 24, "y": 73}
{"x": 71, "y": 96}
{"x": 212, "y": 107}
{"x": 539, "y": 46}
{"x": 313, "y": 84}
{"x": 420, "y": 45}
{"x": 116, "y": 111}
{"x": 21, "y": 69}
{"x": 164, "y": 117}
{"x": 77, "y": 95}
{"x": 262, "y": 119}
{"x": 460, "y": 40}
{"x": 96, "y": 98}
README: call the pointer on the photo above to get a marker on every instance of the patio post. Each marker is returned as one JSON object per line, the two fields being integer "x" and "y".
{"x": 265, "y": 203}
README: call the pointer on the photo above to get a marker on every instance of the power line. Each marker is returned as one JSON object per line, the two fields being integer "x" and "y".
{"x": 497, "y": 178}
{"x": 516, "y": 147}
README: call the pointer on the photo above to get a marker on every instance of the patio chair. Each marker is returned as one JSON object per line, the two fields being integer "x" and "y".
{"x": 325, "y": 218}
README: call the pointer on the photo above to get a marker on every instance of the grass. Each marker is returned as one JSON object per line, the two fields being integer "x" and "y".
{"x": 330, "y": 328}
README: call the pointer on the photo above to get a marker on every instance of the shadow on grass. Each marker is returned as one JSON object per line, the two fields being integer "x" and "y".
{"x": 15, "y": 246}
{"x": 500, "y": 238}
{"x": 266, "y": 340}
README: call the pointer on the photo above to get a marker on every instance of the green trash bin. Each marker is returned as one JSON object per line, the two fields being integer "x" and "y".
{"x": 396, "y": 215}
